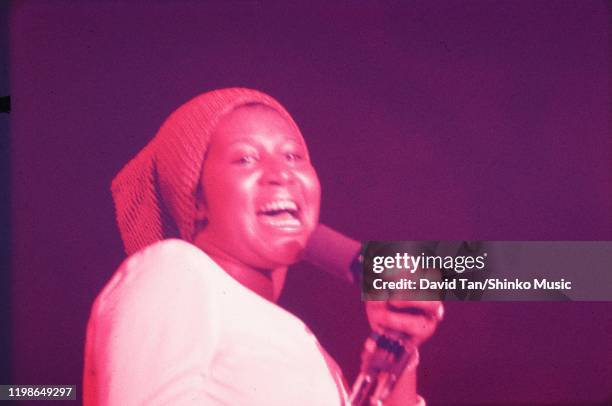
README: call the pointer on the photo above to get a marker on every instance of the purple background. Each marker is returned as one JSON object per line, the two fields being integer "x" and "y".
{"x": 476, "y": 119}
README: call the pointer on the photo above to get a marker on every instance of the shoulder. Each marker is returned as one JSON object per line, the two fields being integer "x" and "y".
{"x": 167, "y": 260}
{"x": 165, "y": 271}
{"x": 166, "y": 255}
{"x": 156, "y": 321}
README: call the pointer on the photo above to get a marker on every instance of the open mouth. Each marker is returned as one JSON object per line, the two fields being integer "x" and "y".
{"x": 280, "y": 213}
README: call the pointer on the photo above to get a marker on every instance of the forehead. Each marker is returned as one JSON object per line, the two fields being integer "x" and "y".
{"x": 254, "y": 122}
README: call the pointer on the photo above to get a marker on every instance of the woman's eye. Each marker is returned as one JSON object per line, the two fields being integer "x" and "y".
{"x": 293, "y": 157}
{"x": 244, "y": 160}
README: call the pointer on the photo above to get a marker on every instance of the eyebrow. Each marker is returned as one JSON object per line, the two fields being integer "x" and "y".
{"x": 293, "y": 140}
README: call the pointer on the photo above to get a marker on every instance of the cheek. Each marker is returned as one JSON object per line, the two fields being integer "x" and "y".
{"x": 228, "y": 194}
{"x": 311, "y": 188}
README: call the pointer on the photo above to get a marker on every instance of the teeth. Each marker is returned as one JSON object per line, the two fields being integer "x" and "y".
{"x": 281, "y": 214}
{"x": 277, "y": 205}
{"x": 287, "y": 222}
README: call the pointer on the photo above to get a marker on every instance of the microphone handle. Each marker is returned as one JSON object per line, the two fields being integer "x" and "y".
{"x": 386, "y": 357}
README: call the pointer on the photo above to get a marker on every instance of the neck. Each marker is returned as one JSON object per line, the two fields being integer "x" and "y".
{"x": 267, "y": 283}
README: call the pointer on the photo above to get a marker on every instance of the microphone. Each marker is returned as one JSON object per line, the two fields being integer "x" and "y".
{"x": 334, "y": 253}
{"x": 385, "y": 355}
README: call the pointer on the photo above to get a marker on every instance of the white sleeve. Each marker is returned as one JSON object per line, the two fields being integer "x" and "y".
{"x": 151, "y": 333}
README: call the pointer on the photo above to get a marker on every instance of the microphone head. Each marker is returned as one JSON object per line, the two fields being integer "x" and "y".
{"x": 334, "y": 253}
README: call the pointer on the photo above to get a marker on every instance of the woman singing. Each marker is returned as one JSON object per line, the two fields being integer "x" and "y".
{"x": 212, "y": 212}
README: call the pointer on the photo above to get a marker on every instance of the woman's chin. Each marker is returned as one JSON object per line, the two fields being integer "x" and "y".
{"x": 286, "y": 253}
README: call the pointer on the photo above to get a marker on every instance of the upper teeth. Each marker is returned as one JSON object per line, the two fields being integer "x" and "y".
{"x": 279, "y": 205}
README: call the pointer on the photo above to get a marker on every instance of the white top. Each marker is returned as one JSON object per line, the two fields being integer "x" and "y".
{"x": 171, "y": 327}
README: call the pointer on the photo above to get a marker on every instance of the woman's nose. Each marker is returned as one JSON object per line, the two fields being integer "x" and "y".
{"x": 276, "y": 171}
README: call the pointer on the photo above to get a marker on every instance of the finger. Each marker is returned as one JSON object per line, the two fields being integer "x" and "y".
{"x": 433, "y": 309}
{"x": 406, "y": 323}
{"x": 440, "y": 312}
{"x": 417, "y": 327}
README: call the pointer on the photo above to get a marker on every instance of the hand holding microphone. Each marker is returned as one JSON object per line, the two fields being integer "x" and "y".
{"x": 391, "y": 350}
{"x": 398, "y": 326}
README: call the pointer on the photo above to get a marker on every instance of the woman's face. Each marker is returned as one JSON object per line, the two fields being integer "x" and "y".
{"x": 261, "y": 193}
